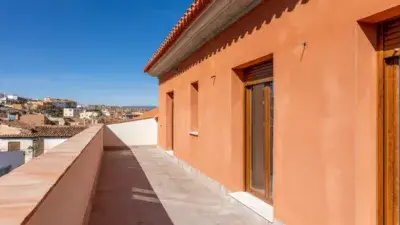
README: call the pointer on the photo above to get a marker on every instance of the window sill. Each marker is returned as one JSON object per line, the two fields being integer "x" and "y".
{"x": 194, "y": 133}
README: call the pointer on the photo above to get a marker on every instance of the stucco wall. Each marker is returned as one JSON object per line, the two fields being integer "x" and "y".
{"x": 54, "y": 188}
{"x": 140, "y": 132}
{"x": 325, "y": 133}
{"x": 50, "y": 143}
{"x": 25, "y": 144}
{"x": 83, "y": 172}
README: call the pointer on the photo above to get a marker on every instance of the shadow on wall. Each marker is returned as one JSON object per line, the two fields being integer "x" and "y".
{"x": 370, "y": 25}
{"x": 370, "y": 31}
{"x": 260, "y": 16}
{"x": 133, "y": 133}
{"x": 124, "y": 195}
{"x": 112, "y": 141}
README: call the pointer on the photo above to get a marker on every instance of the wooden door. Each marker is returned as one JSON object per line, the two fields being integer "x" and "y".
{"x": 389, "y": 155}
{"x": 259, "y": 131}
{"x": 391, "y": 142}
{"x": 170, "y": 120}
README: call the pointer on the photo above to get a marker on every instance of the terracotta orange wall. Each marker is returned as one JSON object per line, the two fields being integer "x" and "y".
{"x": 64, "y": 204}
{"x": 325, "y": 107}
{"x": 111, "y": 140}
{"x": 34, "y": 120}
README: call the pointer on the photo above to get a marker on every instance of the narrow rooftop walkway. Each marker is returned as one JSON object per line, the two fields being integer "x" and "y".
{"x": 141, "y": 185}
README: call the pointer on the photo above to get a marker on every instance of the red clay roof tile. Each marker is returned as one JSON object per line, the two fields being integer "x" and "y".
{"x": 45, "y": 131}
{"x": 153, "y": 113}
{"x": 191, "y": 14}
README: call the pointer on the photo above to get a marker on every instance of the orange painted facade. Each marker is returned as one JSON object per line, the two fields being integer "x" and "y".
{"x": 326, "y": 106}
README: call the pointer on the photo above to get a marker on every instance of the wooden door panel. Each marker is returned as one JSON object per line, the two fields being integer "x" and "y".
{"x": 257, "y": 152}
{"x": 170, "y": 120}
{"x": 391, "y": 143}
{"x": 267, "y": 140}
{"x": 259, "y": 140}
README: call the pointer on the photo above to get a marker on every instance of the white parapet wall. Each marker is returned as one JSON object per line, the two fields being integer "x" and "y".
{"x": 50, "y": 143}
{"x": 139, "y": 132}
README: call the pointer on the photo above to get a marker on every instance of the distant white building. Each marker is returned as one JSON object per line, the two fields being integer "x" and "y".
{"x": 3, "y": 98}
{"x": 60, "y": 103}
{"x": 26, "y": 144}
{"x": 33, "y": 140}
{"x": 135, "y": 114}
{"x": 70, "y": 112}
{"x": 9, "y": 99}
{"x": 12, "y": 97}
{"x": 89, "y": 114}
{"x": 64, "y": 104}
{"x": 106, "y": 112}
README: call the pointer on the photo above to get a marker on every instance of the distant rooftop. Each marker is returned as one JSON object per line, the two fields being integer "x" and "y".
{"x": 42, "y": 131}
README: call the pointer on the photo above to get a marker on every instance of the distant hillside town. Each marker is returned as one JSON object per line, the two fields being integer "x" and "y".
{"x": 33, "y": 126}
{"x": 65, "y": 111}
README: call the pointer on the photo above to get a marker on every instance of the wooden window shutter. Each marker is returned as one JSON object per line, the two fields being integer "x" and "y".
{"x": 260, "y": 71}
{"x": 14, "y": 146}
{"x": 391, "y": 34}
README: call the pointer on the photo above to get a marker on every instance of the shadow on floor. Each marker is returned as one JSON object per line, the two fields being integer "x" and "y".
{"x": 124, "y": 195}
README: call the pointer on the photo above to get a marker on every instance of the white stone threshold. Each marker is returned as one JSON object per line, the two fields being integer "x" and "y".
{"x": 253, "y": 203}
{"x": 259, "y": 206}
{"x": 170, "y": 152}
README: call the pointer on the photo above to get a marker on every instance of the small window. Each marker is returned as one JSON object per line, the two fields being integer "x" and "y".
{"x": 14, "y": 146}
{"x": 194, "y": 106}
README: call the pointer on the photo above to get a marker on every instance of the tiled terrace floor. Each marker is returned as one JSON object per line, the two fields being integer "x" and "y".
{"x": 143, "y": 186}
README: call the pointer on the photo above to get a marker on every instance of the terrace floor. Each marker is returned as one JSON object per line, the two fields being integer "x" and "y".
{"x": 142, "y": 185}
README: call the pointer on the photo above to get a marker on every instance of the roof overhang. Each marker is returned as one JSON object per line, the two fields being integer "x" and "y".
{"x": 215, "y": 18}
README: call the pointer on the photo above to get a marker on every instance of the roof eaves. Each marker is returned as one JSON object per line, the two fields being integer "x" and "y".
{"x": 191, "y": 14}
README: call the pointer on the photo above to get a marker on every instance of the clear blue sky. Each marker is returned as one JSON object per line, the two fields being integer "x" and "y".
{"x": 92, "y": 51}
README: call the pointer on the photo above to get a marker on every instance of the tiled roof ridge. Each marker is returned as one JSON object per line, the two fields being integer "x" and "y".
{"x": 58, "y": 126}
{"x": 191, "y": 14}
{"x": 18, "y": 124}
{"x": 49, "y": 131}
{"x": 153, "y": 113}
